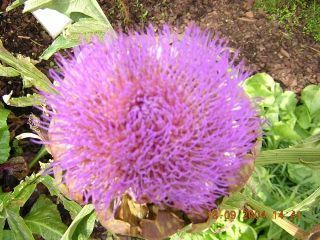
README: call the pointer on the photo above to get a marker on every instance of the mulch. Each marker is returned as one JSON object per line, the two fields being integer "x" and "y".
{"x": 292, "y": 58}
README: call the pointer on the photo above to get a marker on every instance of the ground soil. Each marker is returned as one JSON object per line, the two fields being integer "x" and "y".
{"x": 292, "y": 58}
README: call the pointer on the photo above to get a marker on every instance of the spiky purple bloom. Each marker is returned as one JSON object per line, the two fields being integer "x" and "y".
{"x": 160, "y": 117}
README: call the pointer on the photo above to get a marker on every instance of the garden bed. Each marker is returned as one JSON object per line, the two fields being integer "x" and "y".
{"x": 292, "y": 57}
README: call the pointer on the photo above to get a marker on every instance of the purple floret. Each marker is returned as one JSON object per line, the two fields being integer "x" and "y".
{"x": 160, "y": 117}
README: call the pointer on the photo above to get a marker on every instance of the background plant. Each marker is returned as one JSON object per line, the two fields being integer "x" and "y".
{"x": 292, "y": 13}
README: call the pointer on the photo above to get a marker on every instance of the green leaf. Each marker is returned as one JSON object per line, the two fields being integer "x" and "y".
{"x": 310, "y": 96}
{"x": 7, "y": 235}
{"x": 307, "y": 156}
{"x": 4, "y": 135}
{"x": 2, "y": 222}
{"x": 25, "y": 101}
{"x": 26, "y": 70}
{"x": 285, "y": 132}
{"x": 303, "y": 116}
{"x": 21, "y": 193}
{"x": 82, "y": 225}
{"x": 70, "y": 8}
{"x": 246, "y": 232}
{"x": 287, "y": 101}
{"x": 84, "y": 29}
{"x": 15, "y": 4}
{"x": 44, "y": 219}
{"x": 8, "y": 71}
{"x": 17, "y": 225}
{"x": 307, "y": 203}
{"x": 73, "y": 207}
{"x": 59, "y": 43}
{"x": 262, "y": 85}
{"x": 299, "y": 173}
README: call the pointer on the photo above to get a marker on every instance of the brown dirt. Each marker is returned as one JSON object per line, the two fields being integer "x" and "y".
{"x": 293, "y": 59}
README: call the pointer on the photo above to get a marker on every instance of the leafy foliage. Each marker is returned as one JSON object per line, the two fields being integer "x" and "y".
{"x": 26, "y": 69}
{"x": 4, "y": 135}
{"x": 89, "y": 20}
{"x": 44, "y": 218}
{"x": 291, "y": 13}
{"x": 284, "y": 187}
{"x": 31, "y": 77}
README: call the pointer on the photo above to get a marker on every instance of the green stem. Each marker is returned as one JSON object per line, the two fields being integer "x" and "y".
{"x": 285, "y": 224}
{"x": 307, "y": 156}
{"x": 309, "y": 201}
{"x": 42, "y": 152}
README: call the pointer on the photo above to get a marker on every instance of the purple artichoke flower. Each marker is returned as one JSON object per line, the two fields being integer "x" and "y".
{"x": 160, "y": 117}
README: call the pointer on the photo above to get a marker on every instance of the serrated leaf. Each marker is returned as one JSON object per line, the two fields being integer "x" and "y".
{"x": 44, "y": 219}
{"x": 84, "y": 29}
{"x": 21, "y": 193}
{"x": 4, "y": 135}
{"x": 26, "y": 70}
{"x": 59, "y": 43}
{"x": 14, "y": 5}
{"x": 70, "y": 8}
{"x": 8, "y": 71}
{"x": 25, "y": 101}
{"x": 73, "y": 207}
{"x": 17, "y": 225}
{"x": 82, "y": 226}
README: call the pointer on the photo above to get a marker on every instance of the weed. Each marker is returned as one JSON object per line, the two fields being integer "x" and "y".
{"x": 293, "y": 13}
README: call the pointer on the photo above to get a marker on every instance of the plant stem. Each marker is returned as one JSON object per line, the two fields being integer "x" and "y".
{"x": 42, "y": 152}
{"x": 308, "y": 156}
{"x": 285, "y": 224}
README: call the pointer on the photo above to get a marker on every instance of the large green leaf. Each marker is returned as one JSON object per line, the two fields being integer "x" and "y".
{"x": 299, "y": 173}
{"x": 59, "y": 43}
{"x": 27, "y": 70}
{"x": 8, "y": 71}
{"x": 263, "y": 86}
{"x": 303, "y": 116}
{"x": 84, "y": 29}
{"x": 73, "y": 207}
{"x": 310, "y": 96}
{"x": 71, "y": 8}
{"x": 25, "y": 101}
{"x": 285, "y": 132}
{"x": 7, "y": 235}
{"x": 4, "y": 135}
{"x": 82, "y": 226}
{"x": 44, "y": 219}
{"x": 17, "y": 225}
